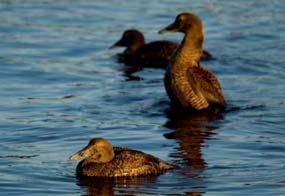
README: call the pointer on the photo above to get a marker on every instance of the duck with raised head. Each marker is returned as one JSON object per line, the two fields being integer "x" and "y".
{"x": 190, "y": 86}
{"x": 101, "y": 159}
{"x": 153, "y": 54}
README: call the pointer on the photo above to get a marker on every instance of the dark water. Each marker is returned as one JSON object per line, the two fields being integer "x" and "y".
{"x": 61, "y": 86}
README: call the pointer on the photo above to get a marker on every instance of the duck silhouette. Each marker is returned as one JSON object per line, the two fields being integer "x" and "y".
{"x": 154, "y": 54}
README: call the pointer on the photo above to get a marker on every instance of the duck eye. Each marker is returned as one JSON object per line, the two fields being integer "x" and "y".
{"x": 179, "y": 20}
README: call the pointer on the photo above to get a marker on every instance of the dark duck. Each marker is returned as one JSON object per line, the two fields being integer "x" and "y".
{"x": 101, "y": 159}
{"x": 153, "y": 54}
{"x": 191, "y": 87}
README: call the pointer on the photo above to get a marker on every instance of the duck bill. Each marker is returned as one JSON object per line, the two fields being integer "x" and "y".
{"x": 79, "y": 155}
{"x": 76, "y": 156}
{"x": 170, "y": 28}
{"x": 117, "y": 44}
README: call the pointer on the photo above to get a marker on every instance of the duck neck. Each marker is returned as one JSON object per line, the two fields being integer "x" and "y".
{"x": 189, "y": 52}
{"x": 133, "y": 48}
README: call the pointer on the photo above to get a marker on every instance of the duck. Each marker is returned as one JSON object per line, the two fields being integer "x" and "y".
{"x": 100, "y": 159}
{"x": 152, "y": 54}
{"x": 190, "y": 86}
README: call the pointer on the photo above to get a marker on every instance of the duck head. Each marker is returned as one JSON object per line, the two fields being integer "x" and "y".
{"x": 191, "y": 25}
{"x": 131, "y": 38}
{"x": 98, "y": 150}
{"x": 186, "y": 23}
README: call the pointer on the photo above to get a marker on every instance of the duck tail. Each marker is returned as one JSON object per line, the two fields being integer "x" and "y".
{"x": 165, "y": 166}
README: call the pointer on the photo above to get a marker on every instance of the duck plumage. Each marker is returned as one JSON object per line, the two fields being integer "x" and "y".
{"x": 120, "y": 162}
{"x": 190, "y": 86}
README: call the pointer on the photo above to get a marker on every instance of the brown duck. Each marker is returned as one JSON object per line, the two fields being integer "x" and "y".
{"x": 101, "y": 159}
{"x": 190, "y": 86}
{"x": 153, "y": 54}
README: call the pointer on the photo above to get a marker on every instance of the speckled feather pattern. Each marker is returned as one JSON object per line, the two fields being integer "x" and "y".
{"x": 180, "y": 86}
{"x": 125, "y": 163}
{"x": 208, "y": 85}
{"x": 193, "y": 87}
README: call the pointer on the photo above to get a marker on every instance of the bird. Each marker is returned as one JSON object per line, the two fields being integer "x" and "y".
{"x": 153, "y": 54}
{"x": 190, "y": 86}
{"x": 101, "y": 159}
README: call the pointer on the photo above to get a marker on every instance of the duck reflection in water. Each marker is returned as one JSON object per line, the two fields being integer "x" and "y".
{"x": 191, "y": 131}
{"x": 129, "y": 72}
{"x": 115, "y": 186}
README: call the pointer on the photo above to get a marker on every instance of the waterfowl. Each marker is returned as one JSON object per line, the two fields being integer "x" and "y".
{"x": 153, "y": 54}
{"x": 137, "y": 52}
{"x": 101, "y": 159}
{"x": 190, "y": 86}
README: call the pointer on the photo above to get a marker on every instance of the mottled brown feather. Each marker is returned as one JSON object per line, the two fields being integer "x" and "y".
{"x": 125, "y": 163}
{"x": 207, "y": 83}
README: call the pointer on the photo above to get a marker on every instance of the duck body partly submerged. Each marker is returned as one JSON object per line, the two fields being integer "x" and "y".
{"x": 103, "y": 160}
{"x": 125, "y": 163}
{"x": 190, "y": 86}
{"x": 155, "y": 54}
{"x": 152, "y": 54}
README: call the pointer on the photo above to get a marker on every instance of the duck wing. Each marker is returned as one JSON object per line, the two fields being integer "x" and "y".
{"x": 155, "y": 54}
{"x": 206, "y": 84}
{"x": 157, "y": 49}
{"x": 137, "y": 163}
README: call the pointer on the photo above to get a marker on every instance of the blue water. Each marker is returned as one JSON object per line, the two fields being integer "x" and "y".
{"x": 60, "y": 85}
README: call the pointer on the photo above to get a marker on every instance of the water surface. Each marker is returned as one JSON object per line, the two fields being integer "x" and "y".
{"x": 60, "y": 85}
